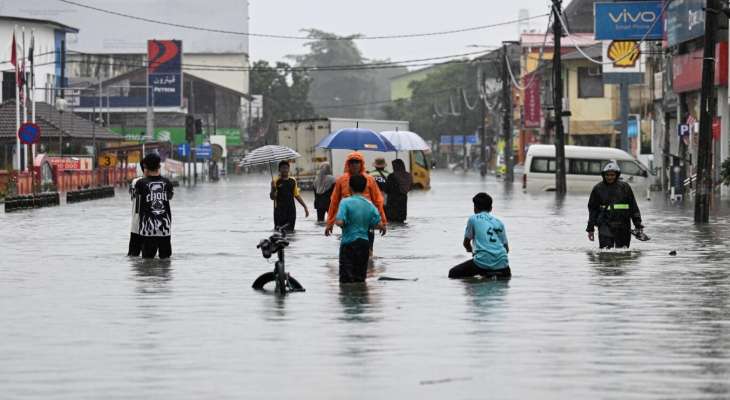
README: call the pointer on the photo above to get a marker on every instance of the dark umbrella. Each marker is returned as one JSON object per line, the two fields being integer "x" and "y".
{"x": 356, "y": 139}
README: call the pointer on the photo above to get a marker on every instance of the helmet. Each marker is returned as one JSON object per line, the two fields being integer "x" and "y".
{"x": 611, "y": 167}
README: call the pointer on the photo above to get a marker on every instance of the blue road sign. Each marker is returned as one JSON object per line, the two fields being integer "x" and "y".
{"x": 203, "y": 152}
{"x": 629, "y": 20}
{"x": 183, "y": 150}
{"x": 683, "y": 130}
{"x": 29, "y": 133}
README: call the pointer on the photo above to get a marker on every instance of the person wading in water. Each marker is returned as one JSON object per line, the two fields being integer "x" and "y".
{"x": 324, "y": 185}
{"x": 380, "y": 174}
{"x": 612, "y": 207}
{"x": 355, "y": 165}
{"x": 398, "y": 185}
{"x": 284, "y": 190}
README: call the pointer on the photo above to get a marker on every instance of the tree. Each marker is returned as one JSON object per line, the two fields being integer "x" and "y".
{"x": 436, "y": 105}
{"x": 348, "y": 92}
{"x": 285, "y": 91}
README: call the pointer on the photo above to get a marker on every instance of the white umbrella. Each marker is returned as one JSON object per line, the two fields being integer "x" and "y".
{"x": 406, "y": 140}
{"x": 267, "y": 155}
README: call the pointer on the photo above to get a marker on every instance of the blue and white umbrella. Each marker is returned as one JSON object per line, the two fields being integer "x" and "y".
{"x": 356, "y": 139}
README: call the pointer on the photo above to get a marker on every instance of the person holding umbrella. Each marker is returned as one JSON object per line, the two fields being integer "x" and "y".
{"x": 356, "y": 139}
{"x": 355, "y": 165}
{"x": 284, "y": 190}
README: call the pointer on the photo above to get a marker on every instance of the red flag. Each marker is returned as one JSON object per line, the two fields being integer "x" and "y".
{"x": 14, "y": 60}
{"x": 14, "y": 54}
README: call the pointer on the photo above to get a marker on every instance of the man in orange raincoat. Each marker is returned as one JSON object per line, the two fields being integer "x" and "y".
{"x": 355, "y": 164}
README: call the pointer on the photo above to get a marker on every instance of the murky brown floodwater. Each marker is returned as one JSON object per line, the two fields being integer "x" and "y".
{"x": 82, "y": 321}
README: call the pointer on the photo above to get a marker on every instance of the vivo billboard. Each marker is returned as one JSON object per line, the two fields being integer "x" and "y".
{"x": 629, "y": 20}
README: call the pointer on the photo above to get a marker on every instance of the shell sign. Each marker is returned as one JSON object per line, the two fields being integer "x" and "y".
{"x": 622, "y": 56}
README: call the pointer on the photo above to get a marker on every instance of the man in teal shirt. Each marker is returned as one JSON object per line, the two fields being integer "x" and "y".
{"x": 356, "y": 216}
{"x": 490, "y": 244}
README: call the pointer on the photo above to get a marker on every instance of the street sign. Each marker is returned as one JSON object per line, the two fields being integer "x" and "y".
{"x": 203, "y": 152}
{"x": 29, "y": 133}
{"x": 183, "y": 150}
{"x": 107, "y": 160}
{"x": 629, "y": 20}
{"x": 683, "y": 130}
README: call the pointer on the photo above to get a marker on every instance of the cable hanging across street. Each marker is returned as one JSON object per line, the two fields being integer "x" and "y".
{"x": 293, "y": 37}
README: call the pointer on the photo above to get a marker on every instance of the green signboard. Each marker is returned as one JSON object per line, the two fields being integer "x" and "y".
{"x": 177, "y": 135}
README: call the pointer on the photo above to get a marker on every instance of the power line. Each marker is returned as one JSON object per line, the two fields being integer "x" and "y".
{"x": 224, "y": 68}
{"x": 293, "y": 37}
{"x": 307, "y": 68}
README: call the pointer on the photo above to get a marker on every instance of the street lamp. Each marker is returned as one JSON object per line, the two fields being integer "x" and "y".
{"x": 60, "y": 107}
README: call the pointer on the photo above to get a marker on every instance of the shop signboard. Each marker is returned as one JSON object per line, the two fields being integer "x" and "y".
{"x": 685, "y": 20}
{"x": 687, "y": 69}
{"x": 628, "y": 20}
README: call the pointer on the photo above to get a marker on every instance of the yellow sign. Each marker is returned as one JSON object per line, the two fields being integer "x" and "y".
{"x": 624, "y": 53}
{"x": 107, "y": 160}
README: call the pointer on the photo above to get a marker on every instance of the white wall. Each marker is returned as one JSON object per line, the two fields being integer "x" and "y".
{"x": 112, "y": 34}
{"x": 44, "y": 53}
{"x": 235, "y": 80}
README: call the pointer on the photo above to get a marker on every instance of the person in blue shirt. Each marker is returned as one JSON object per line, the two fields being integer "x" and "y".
{"x": 489, "y": 239}
{"x": 356, "y": 216}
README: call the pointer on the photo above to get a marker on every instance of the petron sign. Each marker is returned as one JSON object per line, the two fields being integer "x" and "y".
{"x": 164, "y": 72}
{"x": 629, "y": 20}
{"x": 685, "y": 20}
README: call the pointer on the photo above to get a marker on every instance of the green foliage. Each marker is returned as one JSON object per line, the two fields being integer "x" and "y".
{"x": 348, "y": 92}
{"x": 435, "y": 98}
{"x": 285, "y": 94}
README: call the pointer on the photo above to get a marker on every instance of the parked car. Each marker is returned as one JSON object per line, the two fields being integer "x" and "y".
{"x": 583, "y": 168}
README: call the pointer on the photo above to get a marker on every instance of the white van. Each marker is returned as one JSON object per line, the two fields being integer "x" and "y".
{"x": 583, "y": 169}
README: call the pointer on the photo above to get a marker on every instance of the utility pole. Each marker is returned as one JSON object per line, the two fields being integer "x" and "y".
{"x": 704, "y": 150}
{"x": 483, "y": 122}
{"x": 508, "y": 115}
{"x": 560, "y": 187}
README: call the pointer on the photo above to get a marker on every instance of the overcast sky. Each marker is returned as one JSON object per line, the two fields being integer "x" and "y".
{"x": 379, "y": 17}
{"x": 102, "y": 32}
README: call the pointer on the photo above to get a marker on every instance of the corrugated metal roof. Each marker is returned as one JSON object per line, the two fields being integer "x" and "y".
{"x": 49, "y": 120}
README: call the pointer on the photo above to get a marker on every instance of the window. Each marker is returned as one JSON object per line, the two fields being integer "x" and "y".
{"x": 590, "y": 82}
{"x": 420, "y": 159}
{"x": 585, "y": 167}
{"x": 542, "y": 164}
{"x": 630, "y": 168}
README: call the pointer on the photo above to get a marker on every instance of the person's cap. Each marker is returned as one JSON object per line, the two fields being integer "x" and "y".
{"x": 380, "y": 163}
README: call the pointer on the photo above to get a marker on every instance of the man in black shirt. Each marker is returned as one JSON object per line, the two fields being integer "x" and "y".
{"x": 284, "y": 190}
{"x": 155, "y": 219}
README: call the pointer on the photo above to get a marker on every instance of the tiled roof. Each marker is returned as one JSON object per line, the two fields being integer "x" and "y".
{"x": 49, "y": 120}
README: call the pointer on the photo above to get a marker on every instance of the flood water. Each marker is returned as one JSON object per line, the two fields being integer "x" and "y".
{"x": 80, "y": 320}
